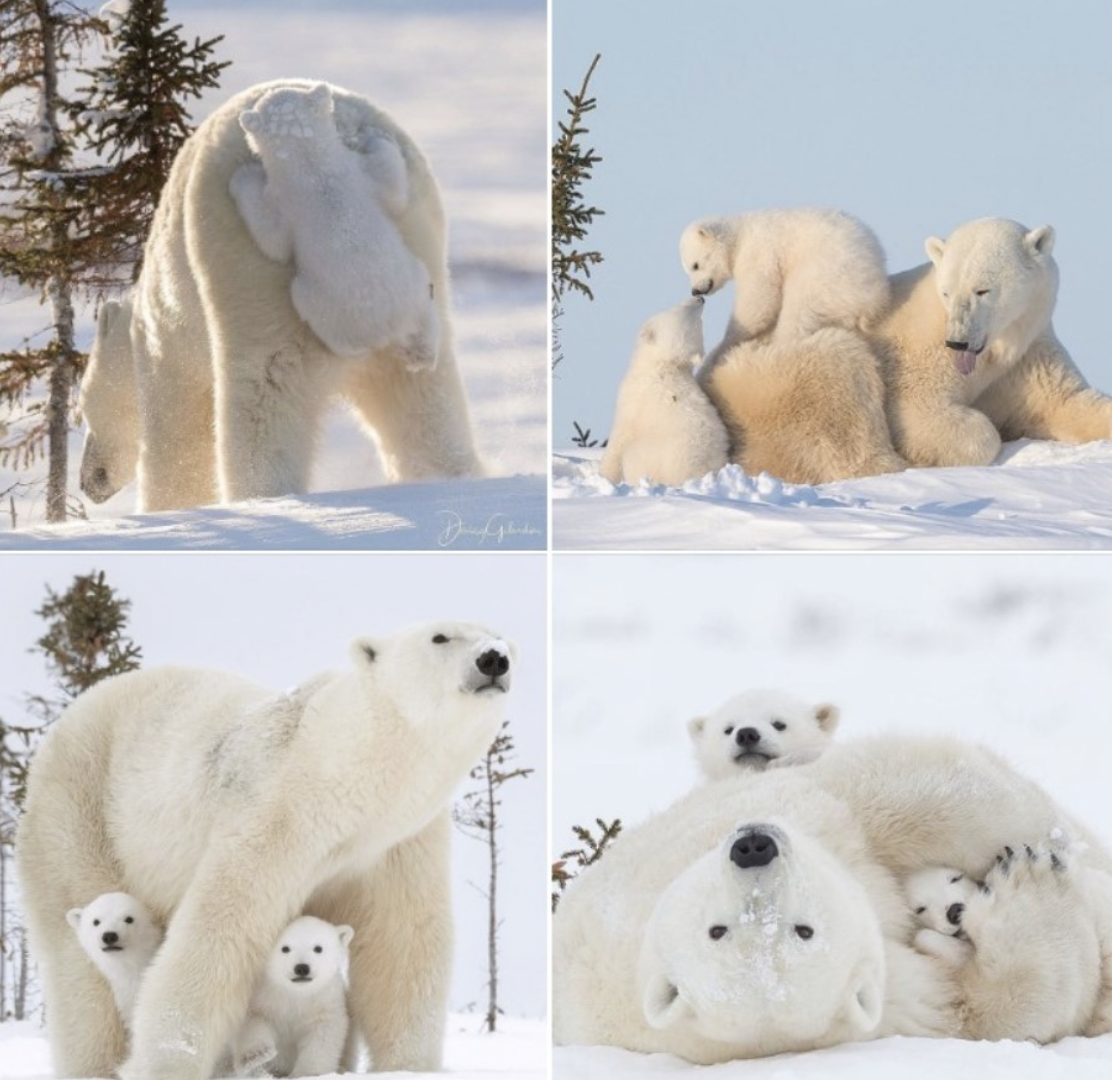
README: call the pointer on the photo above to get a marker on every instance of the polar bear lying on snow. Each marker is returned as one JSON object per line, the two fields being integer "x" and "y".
{"x": 764, "y": 914}
{"x": 332, "y": 802}
{"x": 313, "y": 200}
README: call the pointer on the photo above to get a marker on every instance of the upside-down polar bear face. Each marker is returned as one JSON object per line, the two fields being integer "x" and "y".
{"x": 937, "y": 896}
{"x": 765, "y": 944}
{"x": 758, "y": 727}
{"x": 990, "y": 274}
{"x": 309, "y": 952}
{"x": 705, "y": 258}
{"x": 109, "y": 402}
{"x": 675, "y": 336}
{"x": 289, "y": 112}
{"x": 115, "y": 925}
{"x": 436, "y": 668}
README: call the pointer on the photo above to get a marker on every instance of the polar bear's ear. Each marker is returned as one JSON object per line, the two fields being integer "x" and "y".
{"x": 364, "y": 652}
{"x": 662, "y": 1002}
{"x": 321, "y": 94}
{"x": 696, "y": 726}
{"x": 1040, "y": 241}
{"x": 827, "y": 717}
{"x": 866, "y": 999}
{"x": 935, "y": 249}
{"x": 345, "y": 934}
{"x": 251, "y": 121}
{"x": 73, "y": 917}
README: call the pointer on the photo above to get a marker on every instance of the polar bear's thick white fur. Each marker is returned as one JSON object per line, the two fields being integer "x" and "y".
{"x": 765, "y": 914}
{"x": 312, "y": 199}
{"x": 120, "y": 936}
{"x": 794, "y": 271}
{"x": 665, "y": 429}
{"x": 970, "y": 353}
{"x": 298, "y": 1020}
{"x": 809, "y": 411}
{"x": 332, "y": 802}
{"x": 760, "y": 729}
{"x": 231, "y": 383}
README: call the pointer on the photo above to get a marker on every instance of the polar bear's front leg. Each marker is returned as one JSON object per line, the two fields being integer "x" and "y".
{"x": 260, "y": 212}
{"x": 254, "y": 1047}
{"x": 1035, "y": 969}
{"x": 943, "y": 433}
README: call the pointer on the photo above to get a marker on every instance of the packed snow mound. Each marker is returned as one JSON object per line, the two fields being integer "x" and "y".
{"x": 1038, "y": 494}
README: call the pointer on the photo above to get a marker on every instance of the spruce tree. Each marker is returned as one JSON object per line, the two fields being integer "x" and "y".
{"x": 477, "y": 815}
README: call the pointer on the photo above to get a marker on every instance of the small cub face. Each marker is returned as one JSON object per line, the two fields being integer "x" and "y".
{"x": 675, "y": 336}
{"x": 703, "y": 255}
{"x": 937, "y": 897}
{"x": 309, "y": 953}
{"x": 760, "y": 728}
{"x": 114, "y": 926}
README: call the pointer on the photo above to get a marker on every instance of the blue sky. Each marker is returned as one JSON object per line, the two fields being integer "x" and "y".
{"x": 915, "y": 116}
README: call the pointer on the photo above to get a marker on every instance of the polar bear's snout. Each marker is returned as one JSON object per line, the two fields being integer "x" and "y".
{"x": 756, "y": 846}
{"x": 493, "y": 664}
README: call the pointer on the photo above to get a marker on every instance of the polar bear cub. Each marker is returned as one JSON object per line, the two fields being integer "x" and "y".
{"x": 120, "y": 936}
{"x": 794, "y": 272}
{"x": 937, "y": 896}
{"x": 665, "y": 427}
{"x": 760, "y": 729}
{"x": 330, "y": 208}
{"x": 298, "y": 1018}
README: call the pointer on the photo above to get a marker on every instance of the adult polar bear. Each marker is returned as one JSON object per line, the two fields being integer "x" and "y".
{"x": 229, "y": 382}
{"x": 763, "y": 914}
{"x": 331, "y": 801}
{"x": 970, "y": 355}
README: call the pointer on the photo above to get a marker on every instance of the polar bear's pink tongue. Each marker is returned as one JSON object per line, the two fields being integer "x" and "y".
{"x": 966, "y": 361}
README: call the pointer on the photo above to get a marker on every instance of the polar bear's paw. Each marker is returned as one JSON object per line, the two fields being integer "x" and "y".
{"x": 252, "y": 1060}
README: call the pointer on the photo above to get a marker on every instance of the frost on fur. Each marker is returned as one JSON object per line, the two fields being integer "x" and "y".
{"x": 333, "y": 211}
{"x": 120, "y": 936}
{"x": 665, "y": 428}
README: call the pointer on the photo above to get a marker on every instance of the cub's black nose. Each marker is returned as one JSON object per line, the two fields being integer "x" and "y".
{"x": 109, "y": 937}
{"x": 958, "y": 346}
{"x": 747, "y": 736}
{"x": 953, "y": 914}
{"x": 753, "y": 849}
{"x": 301, "y": 970}
{"x": 493, "y": 663}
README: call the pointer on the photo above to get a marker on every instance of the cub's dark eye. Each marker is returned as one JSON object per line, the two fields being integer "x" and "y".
{"x": 779, "y": 725}
{"x": 805, "y": 932}
{"x": 982, "y": 292}
{"x": 96, "y": 922}
{"x": 730, "y": 730}
{"x": 440, "y": 639}
{"x": 921, "y": 910}
{"x": 129, "y": 919}
{"x": 694, "y": 266}
{"x": 955, "y": 880}
{"x": 285, "y": 948}
{"x": 317, "y": 948}
{"x": 716, "y": 932}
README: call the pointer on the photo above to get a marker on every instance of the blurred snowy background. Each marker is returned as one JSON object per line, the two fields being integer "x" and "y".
{"x": 280, "y": 618}
{"x": 1011, "y": 651}
{"x": 467, "y": 80}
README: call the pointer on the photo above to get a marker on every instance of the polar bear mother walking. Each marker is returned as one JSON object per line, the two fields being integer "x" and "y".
{"x": 210, "y": 368}
{"x": 229, "y": 811}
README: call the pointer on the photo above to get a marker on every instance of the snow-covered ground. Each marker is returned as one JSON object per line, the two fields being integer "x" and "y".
{"x": 519, "y": 1049}
{"x": 1014, "y": 651}
{"x": 468, "y": 82}
{"x": 1036, "y": 495}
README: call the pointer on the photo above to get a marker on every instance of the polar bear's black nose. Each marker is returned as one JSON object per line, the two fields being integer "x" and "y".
{"x": 493, "y": 663}
{"x": 958, "y": 346}
{"x": 753, "y": 849}
{"x": 109, "y": 937}
{"x": 953, "y": 914}
{"x": 747, "y": 736}
{"x": 301, "y": 970}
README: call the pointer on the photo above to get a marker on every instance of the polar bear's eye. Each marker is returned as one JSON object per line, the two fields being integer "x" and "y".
{"x": 921, "y": 910}
{"x": 805, "y": 932}
{"x": 717, "y": 932}
{"x": 439, "y": 639}
{"x": 982, "y": 292}
{"x": 955, "y": 880}
{"x": 729, "y": 730}
{"x": 129, "y": 919}
{"x": 285, "y": 948}
{"x": 694, "y": 266}
{"x": 317, "y": 948}
{"x": 96, "y": 922}
{"x": 779, "y": 725}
